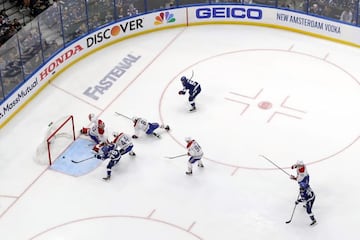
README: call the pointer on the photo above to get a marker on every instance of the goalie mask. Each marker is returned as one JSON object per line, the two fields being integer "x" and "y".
{"x": 101, "y": 124}
{"x": 91, "y": 116}
{"x": 183, "y": 79}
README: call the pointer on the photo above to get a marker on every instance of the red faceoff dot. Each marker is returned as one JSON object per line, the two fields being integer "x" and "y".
{"x": 264, "y": 105}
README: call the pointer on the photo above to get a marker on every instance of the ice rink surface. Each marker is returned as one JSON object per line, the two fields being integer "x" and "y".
{"x": 264, "y": 92}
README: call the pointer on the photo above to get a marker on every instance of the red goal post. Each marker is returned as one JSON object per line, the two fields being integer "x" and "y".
{"x": 58, "y": 137}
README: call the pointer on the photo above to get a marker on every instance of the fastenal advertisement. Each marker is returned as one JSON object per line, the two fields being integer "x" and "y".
{"x": 164, "y": 19}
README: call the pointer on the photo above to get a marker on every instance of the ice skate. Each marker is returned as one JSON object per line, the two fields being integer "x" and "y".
{"x": 107, "y": 178}
{"x": 193, "y": 109}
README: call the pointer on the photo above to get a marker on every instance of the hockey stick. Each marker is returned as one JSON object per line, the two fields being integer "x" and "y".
{"x": 275, "y": 165}
{"x": 181, "y": 155}
{"x": 192, "y": 74}
{"x": 83, "y": 160}
{"x": 289, "y": 221}
{"x": 123, "y": 116}
{"x": 292, "y": 214}
{"x": 156, "y": 135}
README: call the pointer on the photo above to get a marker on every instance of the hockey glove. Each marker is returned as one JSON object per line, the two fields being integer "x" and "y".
{"x": 181, "y": 92}
{"x": 292, "y": 177}
{"x": 84, "y": 130}
{"x": 134, "y": 136}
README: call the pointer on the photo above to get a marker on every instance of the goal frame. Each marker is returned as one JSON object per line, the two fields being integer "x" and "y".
{"x": 48, "y": 140}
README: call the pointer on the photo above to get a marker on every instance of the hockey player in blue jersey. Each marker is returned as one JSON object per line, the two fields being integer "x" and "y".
{"x": 306, "y": 194}
{"x": 194, "y": 90}
{"x": 102, "y": 152}
{"x": 114, "y": 156}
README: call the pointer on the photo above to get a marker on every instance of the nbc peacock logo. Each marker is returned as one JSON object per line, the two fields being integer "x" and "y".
{"x": 164, "y": 17}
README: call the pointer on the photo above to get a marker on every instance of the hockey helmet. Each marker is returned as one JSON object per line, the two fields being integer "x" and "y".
{"x": 91, "y": 116}
{"x": 101, "y": 124}
{"x": 188, "y": 139}
{"x": 112, "y": 146}
{"x": 183, "y": 79}
{"x": 134, "y": 119}
{"x": 300, "y": 163}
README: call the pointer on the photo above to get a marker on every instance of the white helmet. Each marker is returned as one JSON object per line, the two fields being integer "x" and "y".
{"x": 134, "y": 118}
{"x": 188, "y": 139}
{"x": 300, "y": 163}
{"x": 91, "y": 116}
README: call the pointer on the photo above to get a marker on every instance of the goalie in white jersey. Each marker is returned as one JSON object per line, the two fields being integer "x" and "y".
{"x": 195, "y": 152}
{"x": 142, "y": 125}
{"x": 96, "y": 131}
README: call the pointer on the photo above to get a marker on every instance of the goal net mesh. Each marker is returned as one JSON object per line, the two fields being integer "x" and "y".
{"x": 57, "y": 138}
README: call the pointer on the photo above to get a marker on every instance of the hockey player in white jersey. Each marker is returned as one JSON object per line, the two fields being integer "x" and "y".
{"x": 123, "y": 141}
{"x": 96, "y": 131}
{"x": 142, "y": 125}
{"x": 195, "y": 152}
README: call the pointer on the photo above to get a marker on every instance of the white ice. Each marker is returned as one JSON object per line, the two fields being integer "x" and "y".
{"x": 265, "y": 92}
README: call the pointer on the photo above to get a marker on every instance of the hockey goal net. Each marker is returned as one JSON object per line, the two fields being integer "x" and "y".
{"x": 58, "y": 137}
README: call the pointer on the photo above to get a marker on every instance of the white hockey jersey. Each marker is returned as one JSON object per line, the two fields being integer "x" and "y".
{"x": 194, "y": 149}
{"x": 141, "y": 124}
{"x": 122, "y": 140}
{"x": 97, "y": 129}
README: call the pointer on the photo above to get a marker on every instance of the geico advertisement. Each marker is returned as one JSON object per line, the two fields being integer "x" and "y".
{"x": 227, "y": 13}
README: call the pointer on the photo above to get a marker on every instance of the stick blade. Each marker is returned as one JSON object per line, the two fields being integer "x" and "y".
{"x": 83, "y": 160}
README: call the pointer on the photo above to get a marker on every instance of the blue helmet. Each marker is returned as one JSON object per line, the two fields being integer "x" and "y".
{"x": 183, "y": 79}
